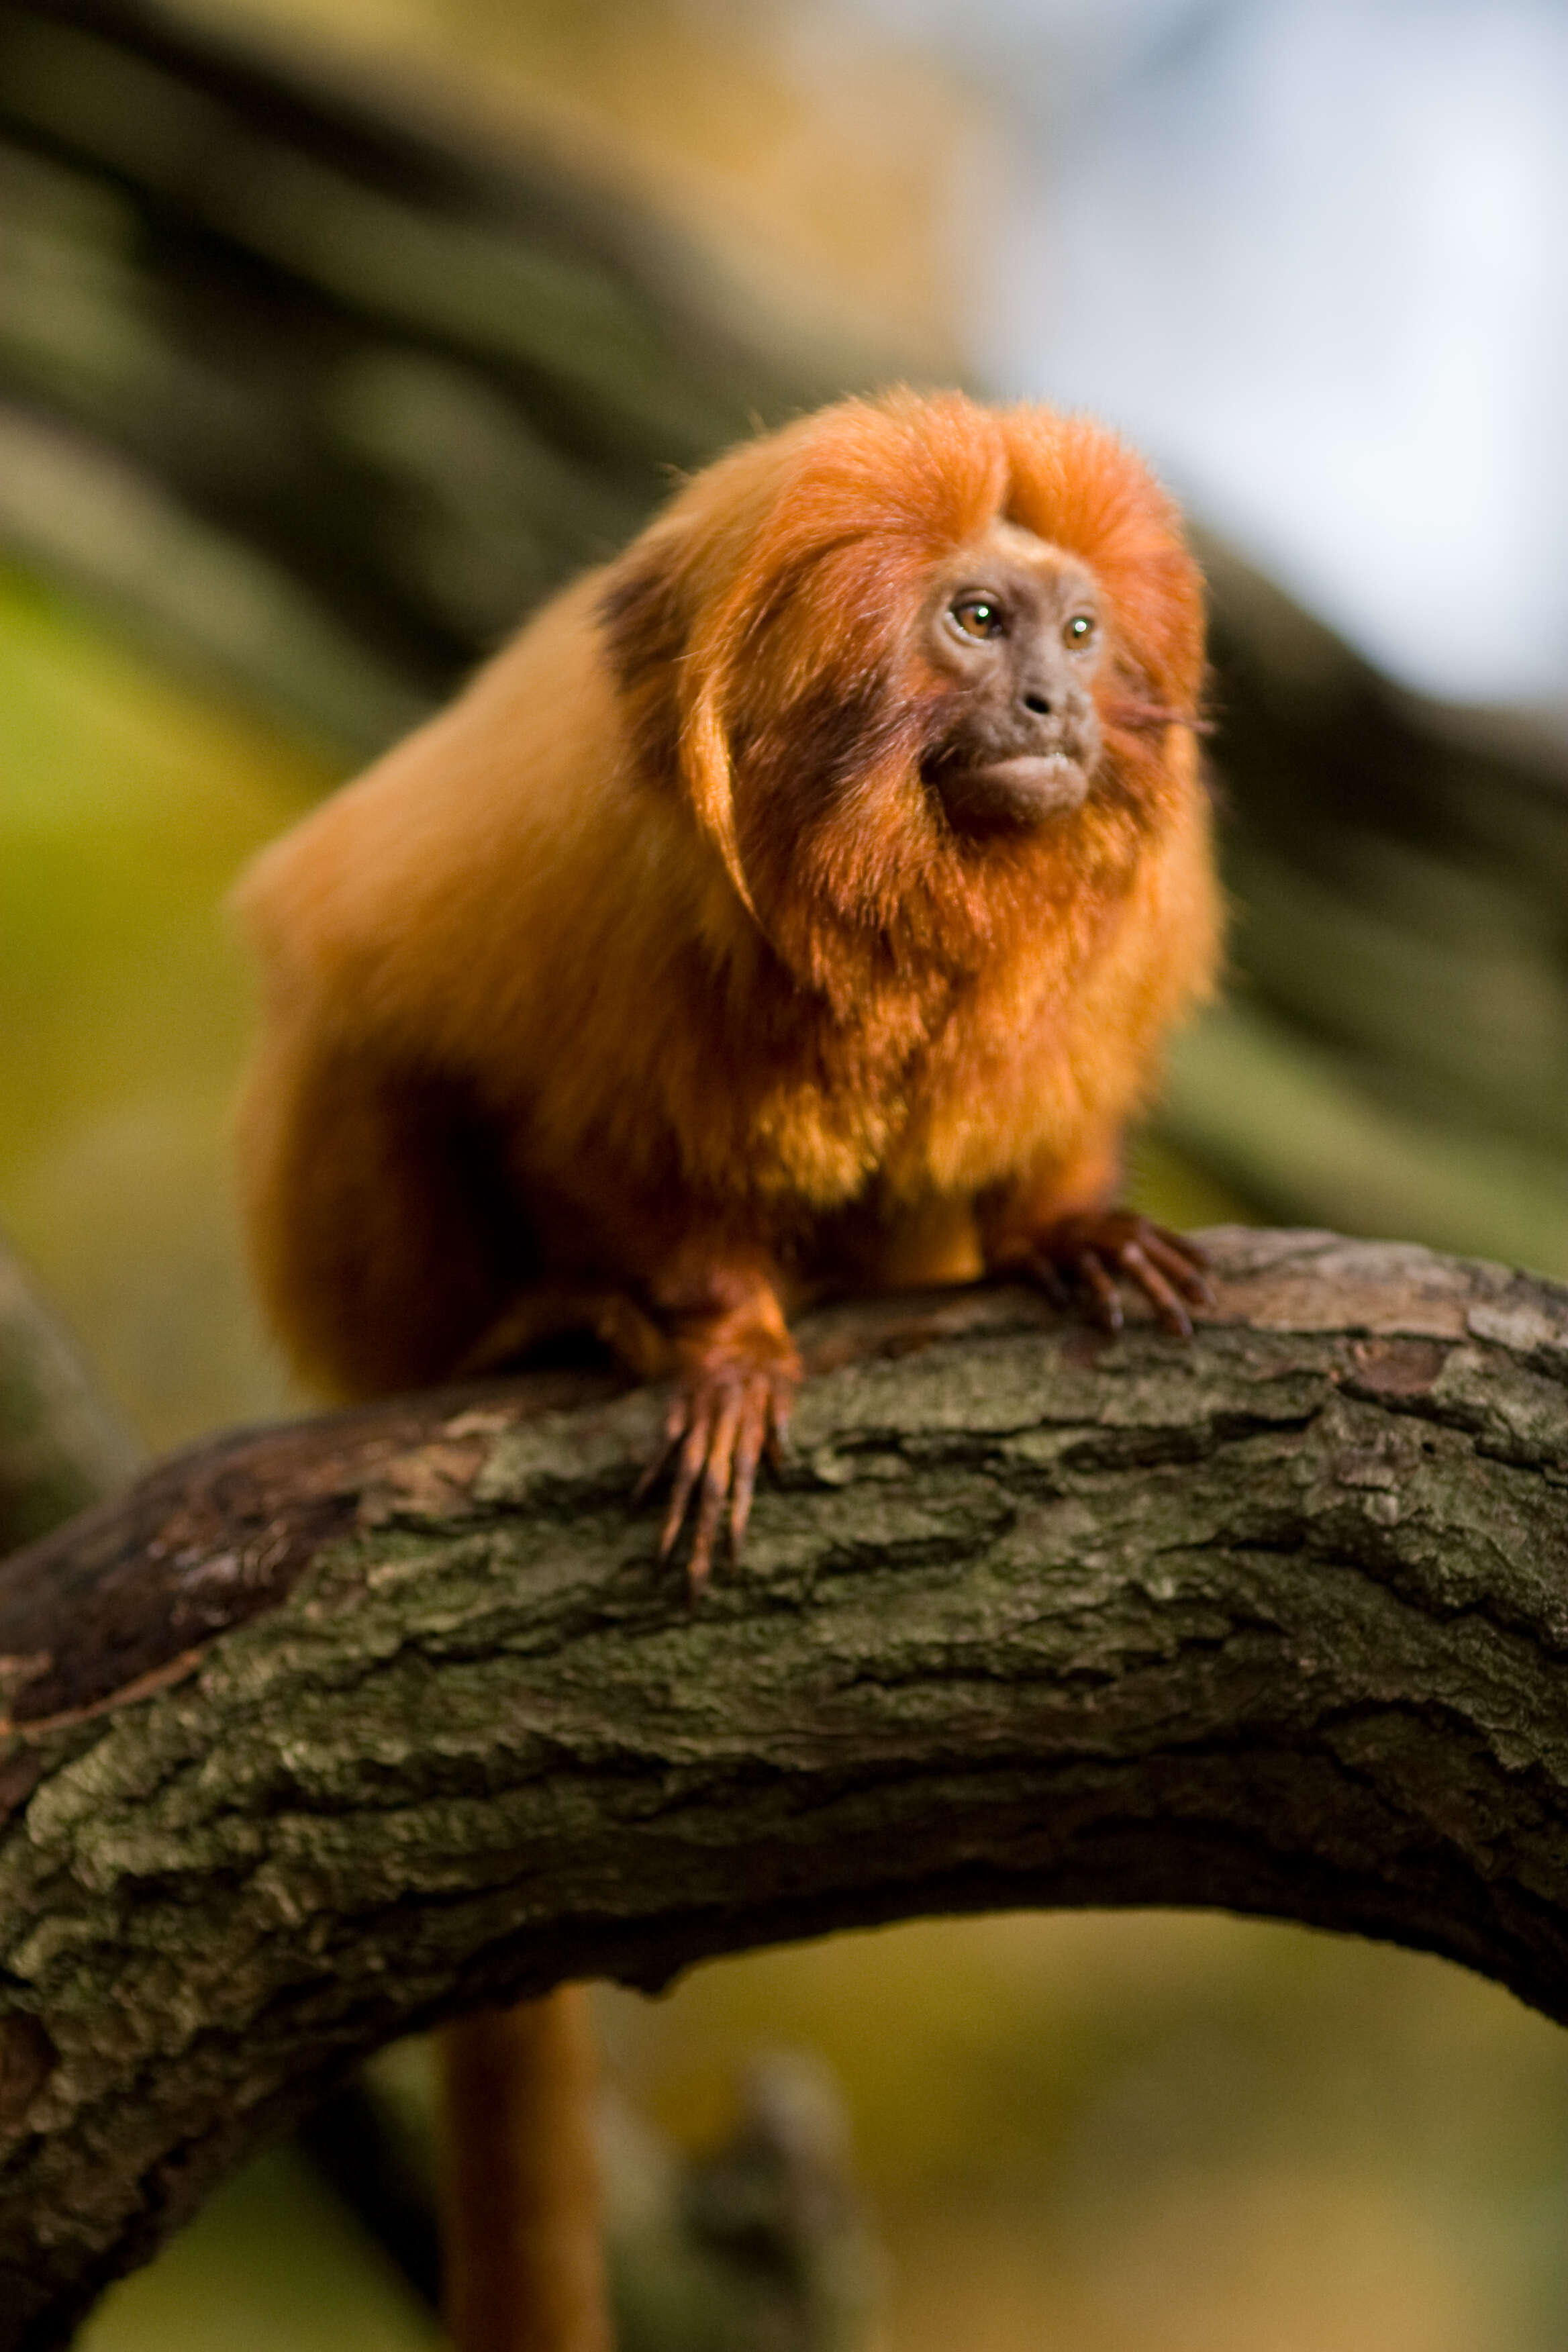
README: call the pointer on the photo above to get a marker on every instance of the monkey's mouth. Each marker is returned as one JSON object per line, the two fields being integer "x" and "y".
{"x": 1027, "y": 788}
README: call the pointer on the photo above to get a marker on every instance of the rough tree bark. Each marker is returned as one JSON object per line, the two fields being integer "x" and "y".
{"x": 325, "y": 1732}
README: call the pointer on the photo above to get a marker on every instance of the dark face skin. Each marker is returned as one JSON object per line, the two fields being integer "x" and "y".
{"x": 1014, "y": 627}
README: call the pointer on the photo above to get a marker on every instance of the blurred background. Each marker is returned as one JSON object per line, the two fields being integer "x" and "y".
{"x": 333, "y": 333}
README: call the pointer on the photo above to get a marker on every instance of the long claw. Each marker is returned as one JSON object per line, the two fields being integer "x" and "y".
{"x": 699, "y": 1558}
{"x": 780, "y": 1414}
{"x": 756, "y": 1422}
{"x": 658, "y": 1461}
{"x": 721, "y": 1438}
{"x": 1107, "y": 1298}
{"x": 693, "y": 1452}
{"x": 721, "y": 1424}
{"x": 1167, "y": 1305}
{"x": 1097, "y": 1251}
{"x": 1050, "y": 1278}
{"x": 1186, "y": 1264}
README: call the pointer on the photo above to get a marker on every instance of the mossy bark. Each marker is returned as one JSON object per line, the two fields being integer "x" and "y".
{"x": 326, "y": 1733}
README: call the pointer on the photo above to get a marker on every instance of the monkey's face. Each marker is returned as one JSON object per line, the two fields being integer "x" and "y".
{"x": 1013, "y": 629}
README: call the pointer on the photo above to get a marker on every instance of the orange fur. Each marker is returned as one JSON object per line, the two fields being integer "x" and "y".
{"x": 593, "y": 973}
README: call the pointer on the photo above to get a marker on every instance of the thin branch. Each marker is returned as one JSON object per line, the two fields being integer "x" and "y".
{"x": 61, "y": 1444}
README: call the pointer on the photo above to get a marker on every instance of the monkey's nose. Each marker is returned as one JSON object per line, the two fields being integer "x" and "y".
{"x": 1040, "y": 704}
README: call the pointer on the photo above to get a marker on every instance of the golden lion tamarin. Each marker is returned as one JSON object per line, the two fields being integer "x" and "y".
{"x": 796, "y": 904}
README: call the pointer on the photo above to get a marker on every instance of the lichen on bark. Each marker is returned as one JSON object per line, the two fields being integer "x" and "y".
{"x": 324, "y": 1733}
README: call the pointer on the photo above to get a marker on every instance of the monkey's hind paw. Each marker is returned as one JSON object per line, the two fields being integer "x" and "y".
{"x": 1098, "y": 1252}
{"x": 720, "y": 1426}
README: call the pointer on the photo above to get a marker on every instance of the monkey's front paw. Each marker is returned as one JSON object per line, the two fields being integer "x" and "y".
{"x": 722, "y": 1419}
{"x": 1098, "y": 1252}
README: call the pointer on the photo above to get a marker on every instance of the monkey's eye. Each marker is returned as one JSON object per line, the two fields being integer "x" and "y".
{"x": 1077, "y": 630}
{"x": 978, "y": 616}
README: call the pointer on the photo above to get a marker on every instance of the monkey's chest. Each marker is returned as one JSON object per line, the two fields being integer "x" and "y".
{"x": 957, "y": 1116}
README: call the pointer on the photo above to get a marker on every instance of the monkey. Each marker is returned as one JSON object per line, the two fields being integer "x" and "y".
{"x": 796, "y": 906}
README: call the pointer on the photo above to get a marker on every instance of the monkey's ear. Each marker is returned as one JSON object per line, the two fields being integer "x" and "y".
{"x": 671, "y": 647}
{"x": 710, "y": 779}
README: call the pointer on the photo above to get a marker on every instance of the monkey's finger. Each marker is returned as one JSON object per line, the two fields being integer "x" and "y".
{"x": 1167, "y": 1305}
{"x": 781, "y": 1413}
{"x": 1188, "y": 1270}
{"x": 699, "y": 1559}
{"x": 715, "y": 1492}
{"x": 1107, "y": 1301}
{"x": 749, "y": 1444}
{"x": 687, "y": 1468}
{"x": 1046, "y": 1272}
{"x": 669, "y": 1438}
{"x": 1184, "y": 1246}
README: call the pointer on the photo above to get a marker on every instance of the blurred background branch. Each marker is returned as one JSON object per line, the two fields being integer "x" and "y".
{"x": 316, "y": 389}
{"x": 63, "y": 1445}
{"x": 325, "y": 392}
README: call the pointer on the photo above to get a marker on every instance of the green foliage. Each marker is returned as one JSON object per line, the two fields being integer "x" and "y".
{"x": 275, "y": 2265}
{"x": 127, "y": 801}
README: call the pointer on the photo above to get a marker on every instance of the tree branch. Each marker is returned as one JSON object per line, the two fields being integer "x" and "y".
{"x": 325, "y": 1732}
